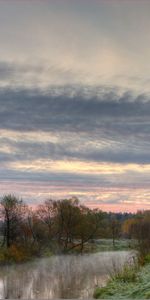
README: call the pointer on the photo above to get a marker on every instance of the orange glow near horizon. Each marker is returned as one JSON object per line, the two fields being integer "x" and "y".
{"x": 107, "y": 199}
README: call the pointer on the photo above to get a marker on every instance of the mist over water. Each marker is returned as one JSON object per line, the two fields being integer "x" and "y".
{"x": 64, "y": 276}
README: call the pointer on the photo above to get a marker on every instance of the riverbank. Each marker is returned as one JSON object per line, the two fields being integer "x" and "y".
{"x": 103, "y": 245}
{"x": 100, "y": 245}
{"x": 19, "y": 254}
{"x": 134, "y": 285}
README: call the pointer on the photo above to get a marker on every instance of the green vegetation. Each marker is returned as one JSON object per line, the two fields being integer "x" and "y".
{"x": 131, "y": 283}
{"x": 107, "y": 245}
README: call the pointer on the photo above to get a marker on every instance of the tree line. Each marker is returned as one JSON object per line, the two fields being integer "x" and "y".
{"x": 63, "y": 226}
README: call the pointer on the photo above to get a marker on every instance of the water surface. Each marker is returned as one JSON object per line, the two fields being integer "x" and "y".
{"x": 63, "y": 276}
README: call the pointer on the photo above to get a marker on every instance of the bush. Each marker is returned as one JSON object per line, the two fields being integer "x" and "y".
{"x": 47, "y": 252}
{"x": 127, "y": 274}
{"x": 144, "y": 259}
{"x": 15, "y": 254}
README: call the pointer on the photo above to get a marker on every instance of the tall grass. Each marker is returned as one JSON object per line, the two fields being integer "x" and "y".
{"x": 127, "y": 274}
{"x": 119, "y": 278}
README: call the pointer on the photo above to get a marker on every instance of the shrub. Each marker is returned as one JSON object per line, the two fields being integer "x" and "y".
{"x": 127, "y": 274}
{"x": 15, "y": 254}
{"x": 144, "y": 259}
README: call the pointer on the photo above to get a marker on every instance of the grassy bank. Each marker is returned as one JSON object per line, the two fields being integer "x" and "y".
{"x": 19, "y": 254}
{"x": 107, "y": 245}
{"x": 131, "y": 283}
{"x": 102, "y": 245}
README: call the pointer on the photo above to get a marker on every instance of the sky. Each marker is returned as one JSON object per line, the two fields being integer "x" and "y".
{"x": 75, "y": 101}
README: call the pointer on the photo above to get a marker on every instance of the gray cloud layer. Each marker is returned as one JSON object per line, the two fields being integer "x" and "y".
{"x": 98, "y": 125}
{"x": 29, "y": 110}
{"x": 92, "y": 125}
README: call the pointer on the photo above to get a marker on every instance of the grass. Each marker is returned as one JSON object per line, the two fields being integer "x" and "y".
{"x": 101, "y": 245}
{"x": 107, "y": 245}
{"x": 131, "y": 283}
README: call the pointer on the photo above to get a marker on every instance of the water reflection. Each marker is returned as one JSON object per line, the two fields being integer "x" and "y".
{"x": 65, "y": 276}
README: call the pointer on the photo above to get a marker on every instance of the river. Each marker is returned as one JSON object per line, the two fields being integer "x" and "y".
{"x": 63, "y": 276}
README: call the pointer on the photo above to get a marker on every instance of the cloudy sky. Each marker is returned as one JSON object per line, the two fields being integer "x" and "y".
{"x": 75, "y": 101}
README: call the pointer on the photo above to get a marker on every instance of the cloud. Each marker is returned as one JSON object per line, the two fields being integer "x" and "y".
{"x": 74, "y": 43}
{"x": 75, "y": 100}
{"x": 74, "y": 123}
{"x": 77, "y": 110}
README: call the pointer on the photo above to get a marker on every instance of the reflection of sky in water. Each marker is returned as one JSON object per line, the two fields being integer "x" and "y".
{"x": 59, "y": 276}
